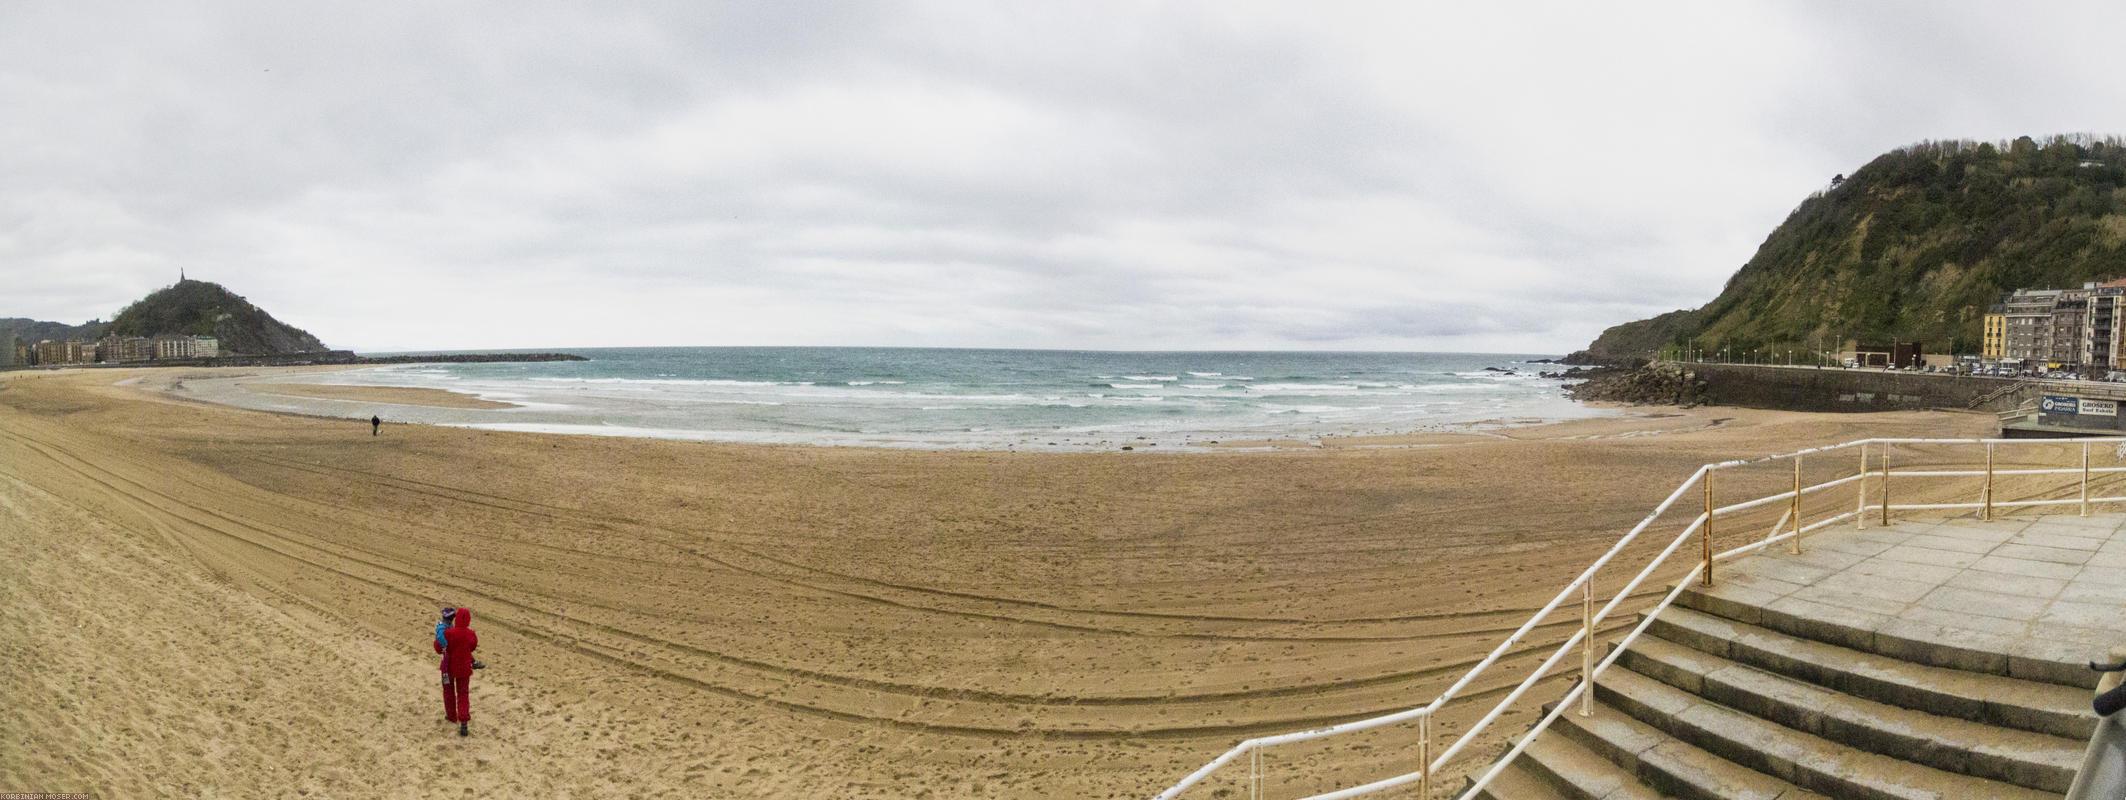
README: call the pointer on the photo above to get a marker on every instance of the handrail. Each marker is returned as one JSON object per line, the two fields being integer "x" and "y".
{"x": 1699, "y": 525}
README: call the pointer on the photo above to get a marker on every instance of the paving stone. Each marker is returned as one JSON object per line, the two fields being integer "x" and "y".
{"x": 2019, "y": 566}
{"x": 1914, "y": 554}
{"x": 2059, "y": 540}
{"x": 2096, "y": 592}
{"x": 1994, "y": 532}
{"x": 2034, "y": 553}
{"x": 1901, "y": 591}
{"x": 2012, "y": 628}
{"x": 1952, "y": 544}
{"x": 1820, "y": 557}
{"x": 1822, "y": 622}
{"x": 1741, "y": 575}
{"x": 1942, "y": 646}
{"x": 2107, "y": 557}
{"x": 2003, "y": 583}
{"x": 1886, "y": 567}
{"x": 2054, "y": 660}
{"x": 1784, "y": 570}
{"x": 2097, "y": 573}
{"x": 1859, "y": 545}
{"x": 2094, "y": 616}
{"x": 1991, "y": 604}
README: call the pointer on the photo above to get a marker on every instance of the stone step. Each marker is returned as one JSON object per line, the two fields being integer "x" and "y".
{"x": 1993, "y": 699}
{"x": 1801, "y": 758}
{"x": 1667, "y": 765}
{"x": 1518, "y": 781}
{"x": 2064, "y": 663}
{"x": 1578, "y": 773}
{"x": 2023, "y": 758}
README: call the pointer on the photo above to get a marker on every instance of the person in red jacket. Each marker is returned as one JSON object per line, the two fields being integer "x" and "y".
{"x": 458, "y": 643}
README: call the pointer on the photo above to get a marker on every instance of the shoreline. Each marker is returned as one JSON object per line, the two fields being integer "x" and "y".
{"x": 246, "y": 389}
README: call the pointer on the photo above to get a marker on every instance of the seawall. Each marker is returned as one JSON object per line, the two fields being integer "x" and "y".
{"x": 1809, "y": 389}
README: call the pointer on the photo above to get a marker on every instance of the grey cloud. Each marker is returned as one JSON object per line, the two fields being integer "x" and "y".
{"x": 1187, "y": 175}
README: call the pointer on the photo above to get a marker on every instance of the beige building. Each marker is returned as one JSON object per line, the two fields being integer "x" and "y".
{"x": 53, "y": 351}
{"x": 121, "y": 349}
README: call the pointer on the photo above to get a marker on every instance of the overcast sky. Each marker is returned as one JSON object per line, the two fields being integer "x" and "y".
{"x": 1403, "y": 176}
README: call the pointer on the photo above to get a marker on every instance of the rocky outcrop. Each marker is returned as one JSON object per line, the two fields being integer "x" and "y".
{"x": 1652, "y": 384}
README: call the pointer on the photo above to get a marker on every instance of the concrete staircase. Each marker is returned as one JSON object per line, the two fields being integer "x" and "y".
{"x": 1726, "y": 699}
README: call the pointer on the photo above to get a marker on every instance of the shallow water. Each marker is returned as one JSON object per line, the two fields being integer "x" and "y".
{"x": 975, "y": 398}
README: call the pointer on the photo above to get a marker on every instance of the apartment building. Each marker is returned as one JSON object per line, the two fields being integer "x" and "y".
{"x": 2028, "y": 324}
{"x": 53, "y": 351}
{"x": 1995, "y": 344}
{"x": 121, "y": 349}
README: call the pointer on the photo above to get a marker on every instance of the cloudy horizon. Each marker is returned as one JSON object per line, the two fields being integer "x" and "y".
{"x": 1502, "y": 178}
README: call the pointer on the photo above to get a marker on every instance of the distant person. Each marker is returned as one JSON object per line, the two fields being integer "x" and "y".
{"x": 376, "y": 423}
{"x": 458, "y": 643}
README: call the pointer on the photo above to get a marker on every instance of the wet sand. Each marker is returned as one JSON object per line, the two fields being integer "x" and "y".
{"x": 200, "y": 600}
{"x": 394, "y": 395}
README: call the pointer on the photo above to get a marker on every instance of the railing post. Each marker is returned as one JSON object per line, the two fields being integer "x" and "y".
{"x": 1587, "y": 648}
{"x": 1424, "y": 755}
{"x": 2085, "y": 479}
{"x": 1254, "y": 773}
{"x": 1705, "y": 534}
{"x": 1886, "y": 484}
{"x": 1986, "y": 494}
{"x": 1795, "y": 546}
{"x": 1860, "y": 503}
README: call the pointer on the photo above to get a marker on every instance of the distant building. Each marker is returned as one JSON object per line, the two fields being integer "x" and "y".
{"x": 206, "y": 347}
{"x": 123, "y": 349}
{"x": 2070, "y": 319}
{"x": 173, "y": 347}
{"x": 1894, "y": 354}
{"x": 2027, "y": 324}
{"x": 1995, "y": 345}
{"x": 55, "y": 352}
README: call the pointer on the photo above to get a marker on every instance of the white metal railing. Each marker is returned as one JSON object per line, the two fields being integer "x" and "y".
{"x": 1790, "y": 528}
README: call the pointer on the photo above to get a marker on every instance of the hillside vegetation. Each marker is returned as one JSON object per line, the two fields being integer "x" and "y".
{"x": 1915, "y": 245}
{"x": 200, "y": 308}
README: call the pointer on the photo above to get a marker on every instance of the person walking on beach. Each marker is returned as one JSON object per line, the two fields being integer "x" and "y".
{"x": 458, "y": 643}
{"x": 376, "y": 423}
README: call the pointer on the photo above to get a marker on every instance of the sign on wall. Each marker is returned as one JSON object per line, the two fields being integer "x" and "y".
{"x": 2082, "y": 406}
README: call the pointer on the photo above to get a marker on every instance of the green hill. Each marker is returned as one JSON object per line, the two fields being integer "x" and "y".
{"x": 1914, "y": 246}
{"x": 200, "y": 308}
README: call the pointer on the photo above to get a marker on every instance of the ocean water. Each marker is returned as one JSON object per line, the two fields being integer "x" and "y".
{"x": 987, "y": 398}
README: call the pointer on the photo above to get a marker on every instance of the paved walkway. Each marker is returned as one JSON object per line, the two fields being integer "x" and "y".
{"x": 2036, "y": 597}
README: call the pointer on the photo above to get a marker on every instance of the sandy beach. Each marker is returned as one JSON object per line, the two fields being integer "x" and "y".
{"x": 205, "y": 601}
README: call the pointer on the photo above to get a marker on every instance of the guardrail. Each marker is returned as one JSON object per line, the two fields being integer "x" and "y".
{"x": 1790, "y": 528}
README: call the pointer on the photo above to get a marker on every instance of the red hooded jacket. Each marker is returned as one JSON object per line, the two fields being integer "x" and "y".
{"x": 459, "y": 642}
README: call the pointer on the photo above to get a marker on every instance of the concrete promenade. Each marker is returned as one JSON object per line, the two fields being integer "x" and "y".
{"x": 2041, "y": 595}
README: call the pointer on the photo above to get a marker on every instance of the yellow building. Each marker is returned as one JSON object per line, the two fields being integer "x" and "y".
{"x": 1996, "y": 344}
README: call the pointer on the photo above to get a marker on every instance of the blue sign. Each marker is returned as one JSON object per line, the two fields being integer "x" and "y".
{"x": 2055, "y": 404}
